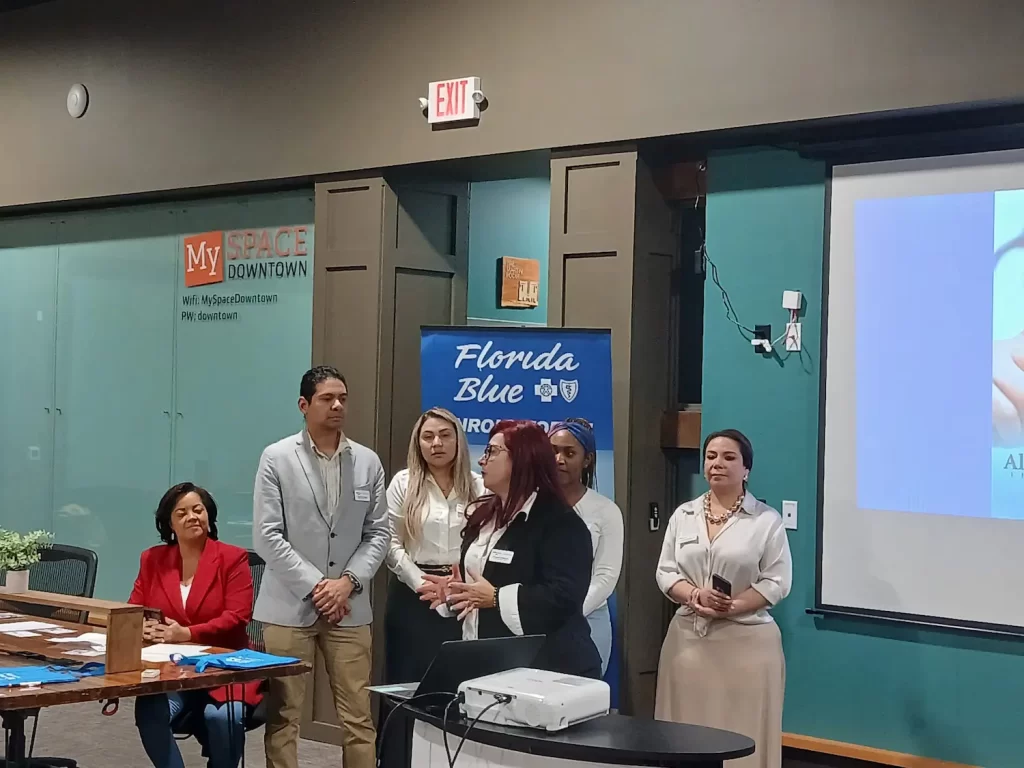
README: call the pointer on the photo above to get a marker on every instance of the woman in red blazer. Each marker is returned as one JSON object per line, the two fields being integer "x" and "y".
{"x": 204, "y": 589}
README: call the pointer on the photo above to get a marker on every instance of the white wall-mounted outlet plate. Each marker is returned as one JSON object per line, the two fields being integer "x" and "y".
{"x": 793, "y": 337}
{"x": 789, "y": 514}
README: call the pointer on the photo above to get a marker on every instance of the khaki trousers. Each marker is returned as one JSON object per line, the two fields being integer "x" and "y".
{"x": 346, "y": 654}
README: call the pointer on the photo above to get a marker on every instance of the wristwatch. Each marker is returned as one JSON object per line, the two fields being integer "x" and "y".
{"x": 357, "y": 586}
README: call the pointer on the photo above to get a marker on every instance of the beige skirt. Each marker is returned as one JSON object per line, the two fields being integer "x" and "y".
{"x": 734, "y": 679}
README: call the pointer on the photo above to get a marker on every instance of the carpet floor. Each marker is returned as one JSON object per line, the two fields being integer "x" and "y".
{"x": 80, "y": 732}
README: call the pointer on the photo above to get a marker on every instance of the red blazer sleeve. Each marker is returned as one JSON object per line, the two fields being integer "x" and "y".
{"x": 237, "y": 611}
{"x": 138, "y": 595}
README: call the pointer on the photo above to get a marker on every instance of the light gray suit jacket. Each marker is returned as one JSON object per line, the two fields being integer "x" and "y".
{"x": 303, "y": 541}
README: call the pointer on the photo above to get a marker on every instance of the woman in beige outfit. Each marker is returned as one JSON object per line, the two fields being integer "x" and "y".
{"x": 721, "y": 663}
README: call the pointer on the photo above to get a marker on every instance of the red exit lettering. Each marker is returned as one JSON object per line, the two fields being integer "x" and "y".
{"x": 451, "y": 98}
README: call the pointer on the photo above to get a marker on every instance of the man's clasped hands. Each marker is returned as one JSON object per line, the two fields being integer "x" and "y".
{"x": 330, "y": 596}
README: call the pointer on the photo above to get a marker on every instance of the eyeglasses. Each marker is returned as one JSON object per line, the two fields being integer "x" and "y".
{"x": 493, "y": 450}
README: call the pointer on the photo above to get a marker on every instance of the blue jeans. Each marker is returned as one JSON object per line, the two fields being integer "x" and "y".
{"x": 600, "y": 621}
{"x": 155, "y": 715}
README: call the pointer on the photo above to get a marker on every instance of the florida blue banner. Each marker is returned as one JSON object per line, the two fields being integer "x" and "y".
{"x": 485, "y": 374}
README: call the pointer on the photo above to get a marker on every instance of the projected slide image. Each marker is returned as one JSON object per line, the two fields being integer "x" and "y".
{"x": 923, "y": 455}
{"x": 940, "y": 354}
{"x": 1008, "y": 357}
{"x": 1008, "y": 321}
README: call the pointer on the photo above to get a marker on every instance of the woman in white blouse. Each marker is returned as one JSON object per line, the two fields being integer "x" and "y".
{"x": 576, "y": 455}
{"x": 721, "y": 663}
{"x": 427, "y": 510}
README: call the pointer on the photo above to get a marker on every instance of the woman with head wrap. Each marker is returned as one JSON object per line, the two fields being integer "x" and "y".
{"x": 576, "y": 453}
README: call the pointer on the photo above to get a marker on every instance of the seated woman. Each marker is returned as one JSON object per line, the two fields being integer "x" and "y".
{"x": 526, "y": 556}
{"x": 204, "y": 590}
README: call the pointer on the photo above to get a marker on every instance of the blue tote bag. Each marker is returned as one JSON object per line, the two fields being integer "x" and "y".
{"x": 13, "y": 676}
{"x": 245, "y": 659}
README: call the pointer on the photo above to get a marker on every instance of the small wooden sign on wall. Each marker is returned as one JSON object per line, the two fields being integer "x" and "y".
{"x": 520, "y": 282}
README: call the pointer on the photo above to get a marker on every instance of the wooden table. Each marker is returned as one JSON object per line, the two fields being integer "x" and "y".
{"x": 17, "y": 703}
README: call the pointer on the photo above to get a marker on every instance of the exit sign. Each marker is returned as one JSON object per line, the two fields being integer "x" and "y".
{"x": 450, "y": 101}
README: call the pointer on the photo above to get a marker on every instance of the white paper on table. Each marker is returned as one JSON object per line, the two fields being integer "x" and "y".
{"x": 95, "y": 638}
{"x": 59, "y": 631}
{"x": 88, "y": 654}
{"x": 163, "y": 651}
{"x": 6, "y": 615}
{"x": 23, "y": 633}
{"x": 25, "y": 626}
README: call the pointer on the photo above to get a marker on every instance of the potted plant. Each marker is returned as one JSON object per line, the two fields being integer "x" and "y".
{"x": 17, "y": 553}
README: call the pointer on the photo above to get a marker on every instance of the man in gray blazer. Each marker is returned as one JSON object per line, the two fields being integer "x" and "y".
{"x": 320, "y": 522}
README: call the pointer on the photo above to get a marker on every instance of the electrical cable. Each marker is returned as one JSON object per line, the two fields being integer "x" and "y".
{"x": 403, "y": 705}
{"x": 444, "y": 731}
{"x": 498, "y": 699}
{"x": 730, "y": 311}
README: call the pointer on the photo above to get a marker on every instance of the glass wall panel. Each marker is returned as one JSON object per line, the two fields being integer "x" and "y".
{"x": 145, "y": 346}
{"x": 241, "y": 344}
{"x": 28, "y": 286}
{"x": 115, "y": 325}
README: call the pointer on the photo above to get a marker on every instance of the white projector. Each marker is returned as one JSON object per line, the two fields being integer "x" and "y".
{"x": 534, "y": 698}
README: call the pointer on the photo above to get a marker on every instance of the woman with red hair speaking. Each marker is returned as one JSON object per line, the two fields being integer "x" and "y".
{"x": 526, "y": 556}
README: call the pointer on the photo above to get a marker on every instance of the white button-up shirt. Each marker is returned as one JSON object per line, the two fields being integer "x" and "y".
{"x": 751, "y": 550}
{"x": 443, "y": 520}
{"x": 477, "y": 555}
{"x": 604, "y": 521}
{"x": 330, "y": 472}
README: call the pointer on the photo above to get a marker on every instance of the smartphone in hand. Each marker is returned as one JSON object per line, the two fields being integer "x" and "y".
{"x": 155, "y": 614}
{"x": 722, "y": 584}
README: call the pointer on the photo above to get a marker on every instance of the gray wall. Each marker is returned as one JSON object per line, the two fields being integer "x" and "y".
{"x": 200, "y": 93}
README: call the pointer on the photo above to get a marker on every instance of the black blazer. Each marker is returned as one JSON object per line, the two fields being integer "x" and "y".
{"x": 552, "y": 560}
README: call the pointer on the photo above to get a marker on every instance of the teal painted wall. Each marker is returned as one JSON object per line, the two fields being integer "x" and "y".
{"x": 935, "y": 694}
{"x": 507, "y": 218}
{"x": 114, "y": 383}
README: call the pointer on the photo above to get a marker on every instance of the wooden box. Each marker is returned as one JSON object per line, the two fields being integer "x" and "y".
{"x": 123, "y": 622}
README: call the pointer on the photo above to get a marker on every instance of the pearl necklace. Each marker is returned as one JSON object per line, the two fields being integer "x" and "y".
{"x": 719, "y": 519}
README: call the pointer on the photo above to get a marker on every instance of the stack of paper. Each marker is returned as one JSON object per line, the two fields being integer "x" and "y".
{"x": 93, "y": 638}
{"x": 96, "y": 641}
{"x": 25, "y": 628}
{"x": 87, "y": 652}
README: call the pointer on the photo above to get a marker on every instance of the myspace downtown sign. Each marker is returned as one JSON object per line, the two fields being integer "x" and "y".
{"x": 246, "y": 254}
{"x": 486, "y": 374}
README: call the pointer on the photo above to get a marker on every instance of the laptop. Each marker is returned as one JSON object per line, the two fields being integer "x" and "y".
{"x": 460, "y": 660}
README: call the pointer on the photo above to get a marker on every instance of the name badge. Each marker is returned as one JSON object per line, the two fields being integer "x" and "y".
{"x": 362, "y": 494}
{"x": 503, "y": 556}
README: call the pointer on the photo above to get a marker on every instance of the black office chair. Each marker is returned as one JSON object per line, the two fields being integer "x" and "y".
{"x": 65, "y": 570}
{"x": 187, "y": 724}
{"x": 257, "y": 566}
{"x": 255, "y": 628}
